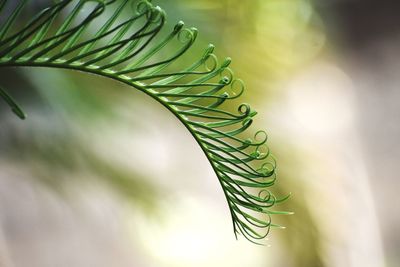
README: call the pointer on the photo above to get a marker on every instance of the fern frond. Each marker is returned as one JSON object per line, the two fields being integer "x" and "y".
{"x": 133, "y": 51}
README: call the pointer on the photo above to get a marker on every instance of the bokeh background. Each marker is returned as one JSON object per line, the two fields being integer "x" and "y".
{"x": 102, "y": 175}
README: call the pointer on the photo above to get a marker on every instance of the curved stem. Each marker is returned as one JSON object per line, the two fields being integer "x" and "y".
{"x": 138, "y": 86}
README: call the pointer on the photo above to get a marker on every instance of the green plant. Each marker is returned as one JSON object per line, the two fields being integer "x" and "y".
{"x": 131, "y": 51}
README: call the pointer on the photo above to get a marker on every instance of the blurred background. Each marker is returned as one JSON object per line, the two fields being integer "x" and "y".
{"x": 102, "y": 175}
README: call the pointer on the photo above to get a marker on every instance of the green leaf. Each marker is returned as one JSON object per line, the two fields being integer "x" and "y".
{"x": 132, "y": 51}
{"x": 14, "y": 106}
